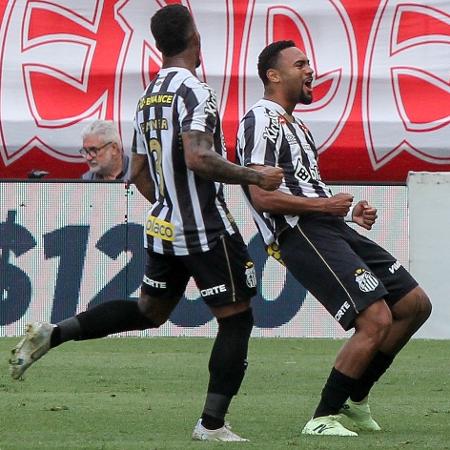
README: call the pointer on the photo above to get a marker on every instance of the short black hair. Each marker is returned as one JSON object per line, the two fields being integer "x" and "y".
{"x": 171, "y": 27}
{"x": 268, "y": 58}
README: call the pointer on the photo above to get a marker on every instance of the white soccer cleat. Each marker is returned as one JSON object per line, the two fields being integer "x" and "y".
{"x": 223, "y": 434}
{"x": 359, "y": 413}
{"x": 33, "y": 345}
{"x": 327, "y": 426}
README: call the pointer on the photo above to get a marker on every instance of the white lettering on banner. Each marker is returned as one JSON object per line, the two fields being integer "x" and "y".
{"x": 326, "y": 31}
{"x": 214, "y": 290}
{"x": 139, "y": 50}
{"x": 89, "y": 254}
{"x": 66, "y": 58}
{"x": 155, "y": 283}
{"x": 410, "y": 113}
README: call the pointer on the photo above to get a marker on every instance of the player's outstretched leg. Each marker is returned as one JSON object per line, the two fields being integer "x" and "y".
{"x": 327, "y": 426}
{"x": 34, "y": 345}
{"x": 107, "y": 318}
{"x": 359, "y": 413}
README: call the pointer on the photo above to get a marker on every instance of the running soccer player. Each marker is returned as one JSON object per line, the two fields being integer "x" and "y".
{"x": 178, "y": 164}
{"x": 360, "y": 284}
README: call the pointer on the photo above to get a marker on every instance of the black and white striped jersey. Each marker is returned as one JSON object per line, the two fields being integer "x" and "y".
{"x": 266, "y": 137}
{"x": 189, "y": 213}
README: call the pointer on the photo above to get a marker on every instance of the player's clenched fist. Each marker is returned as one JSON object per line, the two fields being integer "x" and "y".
{"x": 339, "y": 204}
{"x": 271, "y": 178}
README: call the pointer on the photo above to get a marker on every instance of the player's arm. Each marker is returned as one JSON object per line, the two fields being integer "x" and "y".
{"x": 201, "y": 158}
{"x": 280, "y": 203}
{"x": 140, "y": 174}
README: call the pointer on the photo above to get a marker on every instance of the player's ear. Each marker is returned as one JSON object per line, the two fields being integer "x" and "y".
{"x": 273, "y": 75}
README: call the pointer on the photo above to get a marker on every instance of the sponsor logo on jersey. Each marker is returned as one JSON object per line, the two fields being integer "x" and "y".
{"x": 366, "y": 280}
{"x": 301, "y": 172}
{"x": 271, "y": 131}
{"x": 211, "y": 102}
{"x": 213, "y": 290}
{"x": 250, "y": 274}
{"x": 160, "y": 228}
{"x": 395, "y": 267}
{"x": 164, "y": 99}
{"x": 155, "y": 283}
{"x": 341, "y": 311}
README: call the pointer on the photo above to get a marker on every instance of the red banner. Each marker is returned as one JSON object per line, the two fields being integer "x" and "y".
{"x": 382, "y": 90}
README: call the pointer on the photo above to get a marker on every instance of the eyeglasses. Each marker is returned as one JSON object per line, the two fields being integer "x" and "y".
{"x": 92, "y": 151}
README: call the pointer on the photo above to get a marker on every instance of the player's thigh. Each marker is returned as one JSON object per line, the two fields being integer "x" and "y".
{"x": 324, "y": 263}
{"x": 164, "y": 283}
{"x": 224, "y": 275}
{"x": 394, "y": 276}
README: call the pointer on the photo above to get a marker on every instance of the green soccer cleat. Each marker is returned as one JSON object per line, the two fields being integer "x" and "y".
{"x": 359, "y": 414}
{"x": 223, "y": 434}
{"x": 327, "y": 426}
{"x": 34, "y": 345}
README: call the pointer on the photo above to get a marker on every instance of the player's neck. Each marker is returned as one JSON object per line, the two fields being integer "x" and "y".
{"x": 276, "y": 98}
{"x": 181, "y": 60}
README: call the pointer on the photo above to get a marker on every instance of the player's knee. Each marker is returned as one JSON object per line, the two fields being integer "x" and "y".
{"x": 153, "y": 310}
{"x": 376, "y": 322}
{"x": 423, "y": 307}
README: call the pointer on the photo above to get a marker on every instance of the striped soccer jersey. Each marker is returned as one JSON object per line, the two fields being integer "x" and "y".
{"x": 189, "y": 213}
{"x": 266, "y": 137}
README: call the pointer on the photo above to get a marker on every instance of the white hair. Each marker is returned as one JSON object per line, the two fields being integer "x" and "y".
{"x": 107, "y": 129}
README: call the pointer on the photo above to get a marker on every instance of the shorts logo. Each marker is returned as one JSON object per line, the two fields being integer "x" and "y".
{"x": 366, "y": 280}
{"x": 342, "y": 310}
{"x": 160, "y": 228}
{"x": 154, "y": 283}
{"x": 395, "y": 267}
{"x": 250, "y": 274}
{"x": 214, "y": 290}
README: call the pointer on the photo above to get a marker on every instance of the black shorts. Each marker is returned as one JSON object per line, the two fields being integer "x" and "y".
{"x": 344, "y": 270}
{"x": 224, "y": 275}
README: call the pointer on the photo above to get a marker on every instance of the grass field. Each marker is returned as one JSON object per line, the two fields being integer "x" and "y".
{"x": 147, "y": 394}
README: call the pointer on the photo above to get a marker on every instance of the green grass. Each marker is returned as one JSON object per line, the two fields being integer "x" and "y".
{"x": 147, "y": 394}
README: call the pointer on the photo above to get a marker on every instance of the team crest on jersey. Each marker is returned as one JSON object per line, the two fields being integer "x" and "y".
{"x": 250, "y": 274}
{"x": 366, "y": 280}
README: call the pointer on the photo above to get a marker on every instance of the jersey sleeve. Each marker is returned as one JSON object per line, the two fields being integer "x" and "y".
{"x": 197, "y": 107}
{"x": 257, "y": 138}
{"x": 138, "y": 145}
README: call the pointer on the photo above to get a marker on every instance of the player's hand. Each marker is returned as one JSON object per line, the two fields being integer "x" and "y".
{"x": 339, "y": 204}
{"x": 364, "y": 214}
{"x": 271, "y": 177}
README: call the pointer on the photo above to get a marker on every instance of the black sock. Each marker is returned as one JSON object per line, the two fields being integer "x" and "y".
{"x": 377, "y": 367}
{"x": 227, "y": 366}
{"x": 111, "y": 317}
{"x": 336, "y": 391}
{"x": 216, "y": 406}
{"x": 228, "y": 361}
{"x": 66, "y": 330}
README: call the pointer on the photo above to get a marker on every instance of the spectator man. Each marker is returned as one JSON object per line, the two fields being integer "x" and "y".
{"x": 103, "y": 151}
